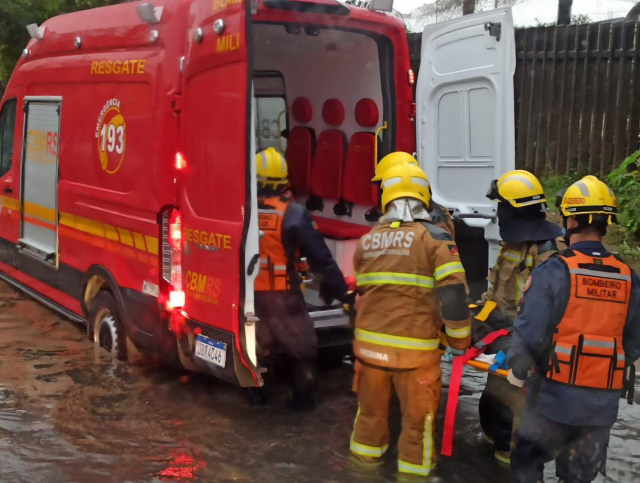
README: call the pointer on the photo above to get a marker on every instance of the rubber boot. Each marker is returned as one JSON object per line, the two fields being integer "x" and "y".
{"x": 303, "y": 382}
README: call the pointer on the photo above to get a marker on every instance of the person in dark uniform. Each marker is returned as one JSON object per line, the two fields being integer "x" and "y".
{"x": 577, "y": 334}
{"x": 288, "y": 233}
{"x": 528, "y": 239}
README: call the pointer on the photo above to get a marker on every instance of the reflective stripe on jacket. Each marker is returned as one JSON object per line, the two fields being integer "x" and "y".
{"x": 400, "y": 268}
{"x": 273, "y": 274}
{"x": 509, "y": 275}
{"x": 587, "y": 346}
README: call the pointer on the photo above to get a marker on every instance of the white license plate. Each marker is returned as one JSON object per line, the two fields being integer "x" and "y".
{"x": 211, "y": 351}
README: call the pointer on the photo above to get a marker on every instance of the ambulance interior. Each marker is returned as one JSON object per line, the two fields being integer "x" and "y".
{"x": 321, "y": 97}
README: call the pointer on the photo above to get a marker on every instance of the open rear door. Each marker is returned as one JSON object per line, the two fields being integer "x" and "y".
{"x": 465, "y": 128}
{"x": 217, "y": 204}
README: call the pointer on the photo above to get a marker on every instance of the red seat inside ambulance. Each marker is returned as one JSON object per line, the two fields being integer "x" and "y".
{"x": 360, "y": 164}
{"x": 328, "y": 162}
{"x": 300, "y": 147}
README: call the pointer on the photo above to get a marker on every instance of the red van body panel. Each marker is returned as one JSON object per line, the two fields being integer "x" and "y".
{"x": 131, "y": 96}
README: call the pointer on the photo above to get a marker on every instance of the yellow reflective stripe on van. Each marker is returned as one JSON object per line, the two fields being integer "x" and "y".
{"x": 427, "y": 457}
{"x": 510, "y": 255}
{"x": 458, "y": 333}
{"x": 363, "y": 449}
{"x": 99, "y": 229}
{"x": 41, "y": 212}
{"x": 397, "y": 341}
{"x": 443, "y": 271}
{"x": 393, "y": 278}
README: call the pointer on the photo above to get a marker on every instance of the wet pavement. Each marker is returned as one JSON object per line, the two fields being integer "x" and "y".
{"x": 70, "y": 414}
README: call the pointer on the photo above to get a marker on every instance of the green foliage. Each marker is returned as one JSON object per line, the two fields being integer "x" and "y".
{"x": 575, "y": 20}
{"x": 553, "y": 183}
{"x": 15, "y": 15}
{"x": 624, "y": 182}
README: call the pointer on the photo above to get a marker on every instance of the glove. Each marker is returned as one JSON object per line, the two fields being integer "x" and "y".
{"x": 450, "y": 353}
{"x": 326, "y": 293}
{"x": 514, "y": 380}
{"x": 348, "y": 302}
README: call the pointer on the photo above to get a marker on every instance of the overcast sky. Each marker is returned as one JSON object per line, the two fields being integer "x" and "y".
{"x": 531, "y": 12}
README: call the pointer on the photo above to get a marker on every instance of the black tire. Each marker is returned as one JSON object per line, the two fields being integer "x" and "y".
{"x": 104, "y": 327}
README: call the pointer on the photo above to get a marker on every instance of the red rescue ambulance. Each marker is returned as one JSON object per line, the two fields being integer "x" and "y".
{"x": 127, "y": 143}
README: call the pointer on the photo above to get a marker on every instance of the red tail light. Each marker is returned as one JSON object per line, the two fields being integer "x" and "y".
{"x": 181, "y": 161}
{"x": 176, "y": 299}
{"x": 175, "y": 230}
{"x": 412, "y": 77}
{"x": 171, "y": 231}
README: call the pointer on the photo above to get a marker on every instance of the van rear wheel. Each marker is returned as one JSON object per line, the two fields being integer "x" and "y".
{"x": 105, "y": 328}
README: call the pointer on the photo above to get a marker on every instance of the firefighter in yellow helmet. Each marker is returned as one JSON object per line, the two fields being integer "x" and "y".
{"x": 288, "y": 233}
{"x": 409, "y": 277}
{"x": 577, "y": 333}
{"x": 528, "y": 239}
{"x": 439, "y": 214}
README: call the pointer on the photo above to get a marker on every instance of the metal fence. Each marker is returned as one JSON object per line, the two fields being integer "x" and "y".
{"x": 577, "y": 101}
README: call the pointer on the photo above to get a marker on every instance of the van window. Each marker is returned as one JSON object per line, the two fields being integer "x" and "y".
{"x": 270, "y": 116}
{"x": 270, "y": 123}
{"x": 7, "y": 129}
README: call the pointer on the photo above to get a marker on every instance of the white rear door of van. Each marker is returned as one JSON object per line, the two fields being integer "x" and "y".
{"x": 465, "y": 108}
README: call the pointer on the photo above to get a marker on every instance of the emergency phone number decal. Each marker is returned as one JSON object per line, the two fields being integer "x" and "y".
{"x": 111, "y": 133}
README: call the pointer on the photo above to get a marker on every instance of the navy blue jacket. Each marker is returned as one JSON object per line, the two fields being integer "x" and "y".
{"x": 543, "y": 306}
{"x": 299, "y": 233}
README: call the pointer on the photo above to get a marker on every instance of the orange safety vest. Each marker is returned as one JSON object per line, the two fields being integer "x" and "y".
{"x": 273, "y": 274}
{"x": 587, "y": 347}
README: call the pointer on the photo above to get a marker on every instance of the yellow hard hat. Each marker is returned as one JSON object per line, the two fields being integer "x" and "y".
{"x": 404, "y": 181}
{"x": 589, "y": 196}
{"x": 519, "y": 188}
{"x": 271, "y": 168}
{"x": 390, "y": 160}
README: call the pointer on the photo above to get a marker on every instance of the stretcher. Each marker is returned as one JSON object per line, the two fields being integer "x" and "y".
{"x": 485, "y": 367}
{"x": 456, "y": 378}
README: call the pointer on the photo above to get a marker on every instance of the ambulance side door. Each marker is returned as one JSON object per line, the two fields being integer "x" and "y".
{"x": 465, "y": 113}
{"x": 214, "y": 188}
{"x": 10, "y": 147}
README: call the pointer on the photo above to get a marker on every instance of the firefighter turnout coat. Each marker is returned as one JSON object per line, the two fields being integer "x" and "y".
{"x": 411, "y": 282}
{"x": 408, "y": 275}
{"x": 509, "y": 275}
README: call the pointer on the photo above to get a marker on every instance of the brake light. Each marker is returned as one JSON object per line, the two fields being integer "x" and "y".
{"x": 412, "y": 77}
{"x": 175, "y": 230}
{"x": 181, "y": 161}
{"x": 176, "y": 299}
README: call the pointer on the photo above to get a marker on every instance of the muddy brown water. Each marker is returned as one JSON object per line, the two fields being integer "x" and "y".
{"x": 70, "y": 414}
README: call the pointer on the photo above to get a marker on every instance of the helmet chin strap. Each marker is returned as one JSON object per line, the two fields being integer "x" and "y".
{"x": 569, "y": 232}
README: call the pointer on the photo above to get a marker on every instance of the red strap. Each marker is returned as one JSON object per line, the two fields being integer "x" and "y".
{"x": 454, "y": 387}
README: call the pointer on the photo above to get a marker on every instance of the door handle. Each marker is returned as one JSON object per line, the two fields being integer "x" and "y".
{"x": 252, "y": 264}
{"x": 8, "y": 189}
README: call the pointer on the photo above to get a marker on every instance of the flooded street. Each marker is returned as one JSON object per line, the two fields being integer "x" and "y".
{"x": 70, "y": 414}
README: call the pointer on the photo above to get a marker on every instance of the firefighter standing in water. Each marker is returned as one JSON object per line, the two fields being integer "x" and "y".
{"x": 289, "y": 233}
{"x": 409, "y": 277}
{"x": 578, "y": 330}
{"x": 528, "y": 239}
{"x": 440, "y": 216}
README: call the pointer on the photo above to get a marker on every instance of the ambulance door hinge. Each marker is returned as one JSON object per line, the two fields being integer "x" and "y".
{"x": 251, "y": 318}
{"x": 176, "y": 103}
{"x": 495, "y": 29}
